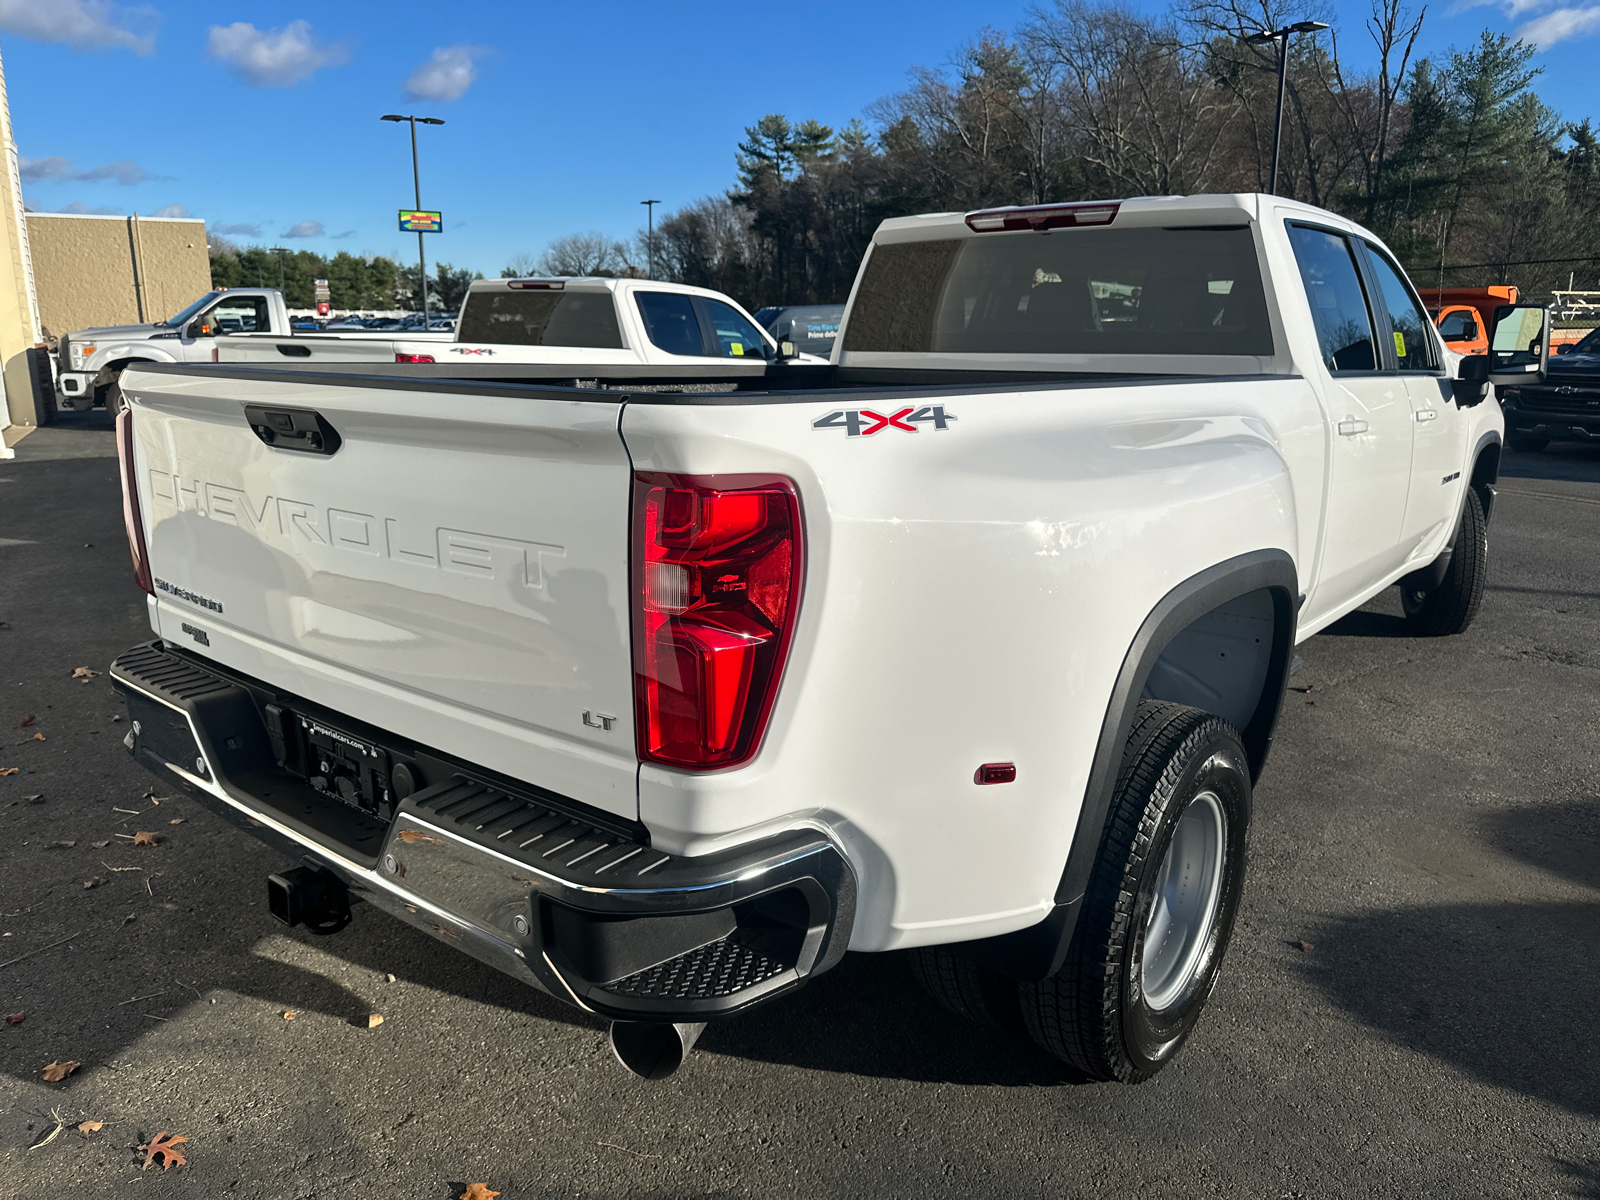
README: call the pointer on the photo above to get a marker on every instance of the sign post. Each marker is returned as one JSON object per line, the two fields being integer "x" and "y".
{"x": 323, "y": 297}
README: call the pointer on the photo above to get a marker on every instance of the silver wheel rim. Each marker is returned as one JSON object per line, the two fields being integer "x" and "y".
{"x": 1187, "y": 889}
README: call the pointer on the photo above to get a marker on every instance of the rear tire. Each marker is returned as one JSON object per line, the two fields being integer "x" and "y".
{"x": 1450, "y": 607}
{"x": 1527, "y": 445}
{"x": 985, "y": 997}
{"x": 1160, "y": 905}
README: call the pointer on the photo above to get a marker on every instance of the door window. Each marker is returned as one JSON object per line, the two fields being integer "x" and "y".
{"x": 1459, "y": 326}
{"x": 1408, "y": 323}
{"x": 670, "y": 321}
{"x": 736, "y": 337}
{"x": 239, "y": 314}
{"x": 1338, "y": 303}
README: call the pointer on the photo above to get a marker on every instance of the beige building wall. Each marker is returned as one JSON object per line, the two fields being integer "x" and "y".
{"x": 93, "y": 270}
{"x": 19, "y": 319}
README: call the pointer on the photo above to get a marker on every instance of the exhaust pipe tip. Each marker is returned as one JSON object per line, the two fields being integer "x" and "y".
{"x": 653, "y": 1050}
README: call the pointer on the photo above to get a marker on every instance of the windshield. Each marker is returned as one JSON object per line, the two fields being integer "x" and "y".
{"x": 190, "y": 311}
{"x": 1105, "y": 291}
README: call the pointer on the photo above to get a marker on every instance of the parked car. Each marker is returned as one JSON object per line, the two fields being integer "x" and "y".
{"x": 91, "y": 361}
{"x": 1465, "y": 315}
{"x": 811, "y": 327}
{"x": 1563, "y": 406}
{"x": 971, "y": 642}
{"x": 572, "y": 321}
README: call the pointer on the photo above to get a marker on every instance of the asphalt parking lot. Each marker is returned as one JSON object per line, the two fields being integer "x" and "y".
{"x": 1408, "y": 1008}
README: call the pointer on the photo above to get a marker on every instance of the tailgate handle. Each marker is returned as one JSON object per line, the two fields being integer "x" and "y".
{"x": 292, "y": 429}
{"x": 294, "y": 351}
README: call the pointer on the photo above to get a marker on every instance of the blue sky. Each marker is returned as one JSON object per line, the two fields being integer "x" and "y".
{"x": 262, "y": 118}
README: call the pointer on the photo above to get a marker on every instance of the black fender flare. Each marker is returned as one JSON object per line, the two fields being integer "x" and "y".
{"x": 1038, "y": 951}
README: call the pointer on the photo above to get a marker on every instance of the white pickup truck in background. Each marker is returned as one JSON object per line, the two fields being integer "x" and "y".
{"x": 970, "y": 643}
{"x": 90, "y": 362}
{"x": 579, "y": 322}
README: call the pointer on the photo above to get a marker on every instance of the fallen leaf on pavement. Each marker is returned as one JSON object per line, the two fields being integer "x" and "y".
{"x": 38, "y": 737}
{"x": 1304, "y": 947}
{"x": 57, "y": 1071}
{"x": 9, "y": 770}
{"x": 412, "y": 836}
{"x": 36, "y": 798}
{"x": 143, "y": 838}
{"x": 100, "y": 845}
{"x": 389, "y": 977}
{"x": 177, "y": 821}
{"x": 478, "y": 1191}
{"x": 374, "y": 1020}
{"x": 83, "y": 673}
{"x": 291, "y": 1014}
{"x": 16, "y": 1018}
{"x": 93, "y": 883}
{"x": 88, "y": 1127}
{"x": 61, "y": 845}
{"x": 27, "y": 720}
{"x": 165, "y": 1150}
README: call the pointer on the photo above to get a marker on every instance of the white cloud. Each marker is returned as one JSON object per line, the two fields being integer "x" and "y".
{"x": 43, "y": 170}
{"x": 448, "y": 73}
{"x": 125, "y": 172}
{"x": 339, "y": 237}
{"x": 1559, "y": 25}
{"x": 56, "y": 168}
{"x": 81, "y": 24}
{"x": 238, "y": 229}
{"x": 171, "y": 210}
{"x": 272, "y": 57}
{"x": 79, "y": 207}
{"x": 304, "y": 229}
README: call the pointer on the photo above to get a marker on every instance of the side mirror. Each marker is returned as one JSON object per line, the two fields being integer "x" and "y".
{"x": 1471, "y": 384}
{"x": 1519, "y": 344}
{"x": 1565, "y": 348}
{"x": 786, "y": 350}
{"x": 197, "y": 330}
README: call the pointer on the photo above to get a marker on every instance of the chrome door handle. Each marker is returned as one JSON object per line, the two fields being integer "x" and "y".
{"x": 1349, "y": 427}
{"x": 1427, "y": 414}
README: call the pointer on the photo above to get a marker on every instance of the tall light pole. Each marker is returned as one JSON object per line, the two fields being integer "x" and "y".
{"x": 280, "y": 252}
{"x": 416, "y": 178}
{"x": 650, "y": 239}
{"x": 1282, "y": 36}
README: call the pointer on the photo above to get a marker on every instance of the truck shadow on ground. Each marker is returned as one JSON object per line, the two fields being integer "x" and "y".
{"x": 1571, "y": 462}
{"x": 1501, "y": 991}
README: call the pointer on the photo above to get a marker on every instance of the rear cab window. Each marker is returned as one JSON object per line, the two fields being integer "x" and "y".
{"x": 541, "y": 318}
{"x": 1137, "y": 291}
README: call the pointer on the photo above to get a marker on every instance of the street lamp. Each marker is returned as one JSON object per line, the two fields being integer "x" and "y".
{"x": 416, "y": 178}
{"x": 280, "y": 252}
{"x": 650, "y": 239}
{"x": 1273, "y": 35}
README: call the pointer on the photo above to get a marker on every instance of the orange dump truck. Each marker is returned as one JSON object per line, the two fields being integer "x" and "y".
{"x": 1464, "y": 315}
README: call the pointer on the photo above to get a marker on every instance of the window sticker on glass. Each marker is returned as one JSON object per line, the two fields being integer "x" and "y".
{"x": 1399, "y": 344}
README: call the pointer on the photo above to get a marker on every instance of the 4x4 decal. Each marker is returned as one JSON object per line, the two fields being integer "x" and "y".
{"x": 863, "y": 422}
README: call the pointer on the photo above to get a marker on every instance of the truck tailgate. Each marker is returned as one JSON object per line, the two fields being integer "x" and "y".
{"x": 455, "y": 571}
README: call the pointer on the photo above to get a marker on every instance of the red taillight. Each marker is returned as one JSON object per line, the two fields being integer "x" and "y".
{"x": 718, "y": 562}
{"x": 413, "y": 358}
{"x": 1042, "y": 216}
{"x": 131, "y": 517}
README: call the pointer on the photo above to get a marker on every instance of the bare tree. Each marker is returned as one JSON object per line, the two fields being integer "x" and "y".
{"x": 520, "y": 266}
{"x": 581, "y": 254}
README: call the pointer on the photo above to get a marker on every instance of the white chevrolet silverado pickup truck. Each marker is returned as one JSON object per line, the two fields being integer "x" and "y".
{"x": 577, "y": 322}
{"x": 970, "y": 642}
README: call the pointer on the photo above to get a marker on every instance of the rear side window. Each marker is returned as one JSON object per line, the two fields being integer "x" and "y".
{"x": 1338, "y": 304}
{"x": 1408, "y": 323}
{"x": 736, "y": 337}
{"x": 1101, "y": 291}
{"x": 670, "y": 321}
{"x": 587, "y": 319}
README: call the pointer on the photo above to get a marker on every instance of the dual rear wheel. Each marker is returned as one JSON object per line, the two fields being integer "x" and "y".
{"x": 1156, "y": 917}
